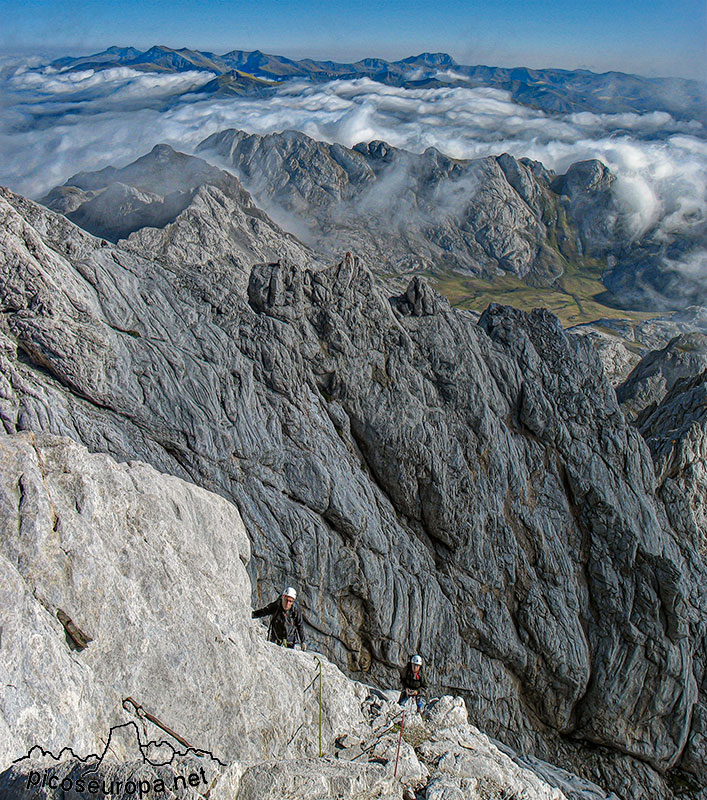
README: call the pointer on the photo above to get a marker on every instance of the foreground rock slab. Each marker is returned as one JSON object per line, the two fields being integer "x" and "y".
{"x": 154, "y": 570}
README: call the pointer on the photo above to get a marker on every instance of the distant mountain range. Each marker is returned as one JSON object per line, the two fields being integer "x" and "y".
{"x": 495, "y": 224}
{"x": 246, "y": 72}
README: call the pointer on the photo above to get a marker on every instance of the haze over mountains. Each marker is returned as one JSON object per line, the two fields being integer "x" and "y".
{"x": 504, "y": 223}
{"x": 82, "y": 114}
{"x": 547, "y": 89}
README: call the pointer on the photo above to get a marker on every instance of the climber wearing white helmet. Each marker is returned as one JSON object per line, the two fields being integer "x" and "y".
{"x": 413, "y": 682}
{"x": 286, "y": 623}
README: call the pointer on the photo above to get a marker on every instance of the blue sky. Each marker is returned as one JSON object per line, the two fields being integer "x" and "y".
{"x": 658, "y": 38}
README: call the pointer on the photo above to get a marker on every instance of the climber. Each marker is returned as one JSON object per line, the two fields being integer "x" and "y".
{"x": 414, "y": 682}
{"x": 286, "y": 623}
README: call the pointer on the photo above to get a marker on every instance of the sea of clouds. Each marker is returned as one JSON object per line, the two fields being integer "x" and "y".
{"x": 55, "y": 124}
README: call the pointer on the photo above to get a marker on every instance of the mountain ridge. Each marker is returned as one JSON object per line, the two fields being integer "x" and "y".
{"x": 551, "y": 90}
{"x": 509, "y": 223}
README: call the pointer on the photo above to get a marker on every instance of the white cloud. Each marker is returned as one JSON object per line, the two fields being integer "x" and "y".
{"x": 56, "y": 124}
{"x": 449, "y": 75}
{"x": 103, "y": 86}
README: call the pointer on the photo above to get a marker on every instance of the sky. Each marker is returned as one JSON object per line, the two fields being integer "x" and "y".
{"x": 657, "y": 39}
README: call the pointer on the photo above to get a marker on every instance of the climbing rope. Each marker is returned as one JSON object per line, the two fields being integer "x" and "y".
{"x": 400, "y": 738}
{"x": 320, "y": 669}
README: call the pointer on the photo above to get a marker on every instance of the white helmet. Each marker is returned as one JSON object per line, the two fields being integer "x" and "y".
{"x": 290, "y": 592}
{"x": 416, "y": 660}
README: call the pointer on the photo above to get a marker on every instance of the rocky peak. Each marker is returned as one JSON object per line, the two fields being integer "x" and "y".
{"x": 585, "y": 176}
{"x": 130, "y": 550}
{"x": 162, "y": 171}
{"x": 419, "y": 300}
{"x": 430, "y": 59}
{"x": 471, "y": 216}
{"x": 193, "y": 212}
{"x": 375, "y": 149}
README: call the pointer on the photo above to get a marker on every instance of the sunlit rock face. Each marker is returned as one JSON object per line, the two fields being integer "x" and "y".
{"x": 470, "y": 491}
{"x": 152, "y": 571}
{"x": 396, "y": 209}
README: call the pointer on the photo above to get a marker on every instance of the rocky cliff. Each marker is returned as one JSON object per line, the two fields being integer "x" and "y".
{"x": 684, "y": 356}
{"x": 176, "y": 207}
{"x": 622, "y": 344}
{"x": 399, "y": 208}
{"x": 490, "y": 216}
{"x": 508, "y": 221}
{"x": 152, "y": 569}
{"x": 472, "y": 491}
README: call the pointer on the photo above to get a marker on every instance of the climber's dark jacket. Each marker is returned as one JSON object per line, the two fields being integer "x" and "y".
{"x": 409, "y": 681}
{"x": 285, "y": 626}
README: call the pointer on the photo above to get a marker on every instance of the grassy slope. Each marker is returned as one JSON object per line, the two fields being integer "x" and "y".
{"x": 572, "y": 298}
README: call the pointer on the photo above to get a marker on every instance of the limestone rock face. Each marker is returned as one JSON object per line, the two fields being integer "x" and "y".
{"x": 618, "y": 357}
{"x": 153, "y": 569}
{"x": 302, "y": 780}
{"x": 402, "y": 211}
{"x": 216, "y": 233}
{"x": 586, "y": 190}
{"x": 179, "y": 208}
{"x": 469, "y": 491}
{"x": 150, "y": 191}
{"x": 676, "y": 432}
{"x": 683, "y": 357}
{"x": 621, "y": 344}
{"x": 397, "y": 209}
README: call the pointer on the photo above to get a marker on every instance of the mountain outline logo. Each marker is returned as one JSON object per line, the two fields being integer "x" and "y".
{"x": 83, "y": 774}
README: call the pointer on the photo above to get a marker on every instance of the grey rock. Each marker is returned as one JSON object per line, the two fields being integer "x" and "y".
{"x": 178, "y": 208}
{"x": 674, "y": 425}
{"x": 469, "y": 491}
{"x": 154, "y": 570}
{"x": 470, "y": 765}
{"x": 617, "y": 354}
{"x": 419, "y": 300}
{"x": 317, "y": 780}
{"x": 65, "y": 199}
{"x": 400, "y": 211}
{"x": 654, "y": 333}
{"x": 155, "y": 567}
{"x": 587, "y": 190}
{"x": 622, "y": 343}
{"x": 394, "y": 208}
{"x": 676, "y": 432}
{"x": 151, "y": 191}
{"x": 683, "y": 357}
